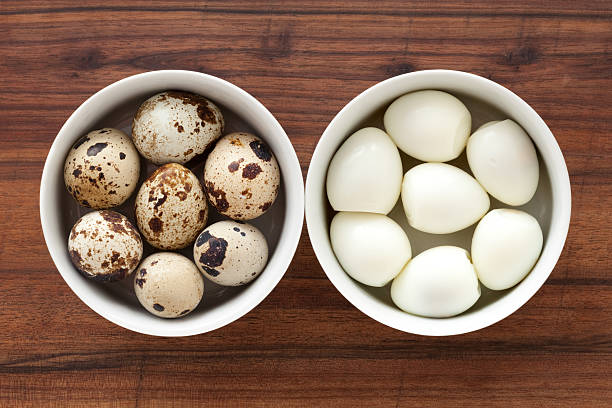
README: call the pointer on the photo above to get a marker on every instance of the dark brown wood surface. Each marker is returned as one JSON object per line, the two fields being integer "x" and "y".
{"x": 305, "y": 345}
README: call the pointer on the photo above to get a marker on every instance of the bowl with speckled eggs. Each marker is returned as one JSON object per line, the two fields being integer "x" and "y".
{"x": 114, "y": 107}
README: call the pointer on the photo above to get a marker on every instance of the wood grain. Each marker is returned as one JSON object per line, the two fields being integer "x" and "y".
{"x": 305, "y": 345}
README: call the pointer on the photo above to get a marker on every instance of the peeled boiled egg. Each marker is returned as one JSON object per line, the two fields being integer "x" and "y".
{"x": 429, "y": 125}
{"x": 365, "y": 174}
{"x": 505, "y": 247}
{"x": 372, "y": 248}
{"x": 440, "y": 199}
{"x": 503, "y": 159}
{"x": 439, "y": 282}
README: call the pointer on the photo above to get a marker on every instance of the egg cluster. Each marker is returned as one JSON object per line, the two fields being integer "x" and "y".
{"x": 241, "y": 181}
{"x": 366, "y": 178}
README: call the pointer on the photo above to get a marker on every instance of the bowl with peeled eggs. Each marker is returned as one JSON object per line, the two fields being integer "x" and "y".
{"x": 437, "y": 202}
{"x": 171, "y": 202}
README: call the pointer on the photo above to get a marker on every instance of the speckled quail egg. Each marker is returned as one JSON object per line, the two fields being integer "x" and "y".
{"x": 505, "y": 247}
{"x": 440, "y": 199}
{"x": 104, "y": 246}
{"x": 429, "y": 125}
{"x": 168, "y": 285}
{"x": 102, "y": 169}
{"x": 171, "y": 208}
{"x": 503, "y": 159}
{"x": 231, "y": 253}
{"x": 241, "y": 176}
{"x": 175, "y": 126}
{"x": 365, "y": 173}
{"x": 372, "y": 248}
{"x": 439, "y": 282}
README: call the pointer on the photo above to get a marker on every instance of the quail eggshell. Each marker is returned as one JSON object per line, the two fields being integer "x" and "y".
{"x": 168, "y": 285}
{"x": 175, "y": 126}
{"x": 431, "y": 126}
{"x": 171, "y": 208}
{"x": 439, "y": 282}
{"x": 365, "y": 174}
{"x": 104, "y": 246}
{"x": 505, "y": 247}
{"x": 503, "y": 159}
{"x": 241, "y": 176}
{"x": 102, "y": 169}
{"x": 231, "y": 253}
{"x": 372, "y": 248}
{"x": 440, "y": 199}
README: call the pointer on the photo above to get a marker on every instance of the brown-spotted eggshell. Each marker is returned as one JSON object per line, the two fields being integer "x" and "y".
{"x": 102, "y": 169}
{"x": 175, "y": 126}
{"x": 168, "y": 285}
{"x": 171, "y": 208}
{"x": 231, "y": 253}
{"x": 241, "y": 176}
{"x": 104, "y": 246}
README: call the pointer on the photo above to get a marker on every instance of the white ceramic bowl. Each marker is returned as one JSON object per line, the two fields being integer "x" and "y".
{"x": 486, "y": 100}
{"x": 114, "y": 106}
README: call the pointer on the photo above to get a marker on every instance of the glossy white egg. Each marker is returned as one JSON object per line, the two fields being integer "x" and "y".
{"x": 503, "y": 159}
{"x": 429, "y": 125}
{"x": 505, "y": 247}
{"x": 440, "y": 282}
{"x": 365, "y": 174}
{"x": 372, "y": 248}
{"x": 439, "y": 198}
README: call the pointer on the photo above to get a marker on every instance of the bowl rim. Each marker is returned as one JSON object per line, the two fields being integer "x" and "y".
{"x": 561, "y": 208}
{"x": 292, "y": 221}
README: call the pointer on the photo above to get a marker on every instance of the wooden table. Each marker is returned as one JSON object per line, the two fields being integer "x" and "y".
{"x": 305, "y": 345}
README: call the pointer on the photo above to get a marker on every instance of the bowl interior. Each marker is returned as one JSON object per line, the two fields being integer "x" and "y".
{"x": 269, "y": 223}
{"x": 540, "y": 206}
{"x": 116, "y": 106}
{"x": 479, "y": 95}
